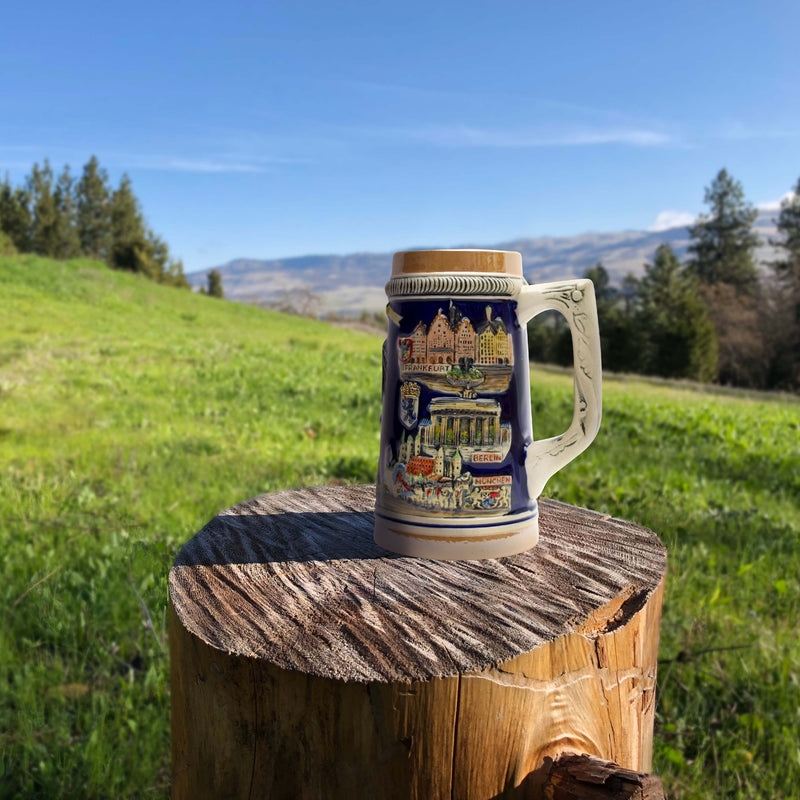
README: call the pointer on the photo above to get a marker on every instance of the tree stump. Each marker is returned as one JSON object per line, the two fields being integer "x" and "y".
{"x": 307, "y": 662}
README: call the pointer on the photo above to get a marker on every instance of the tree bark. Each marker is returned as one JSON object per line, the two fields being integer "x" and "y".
{"x": 583, "y": 777}
{"x": 309, "y": 663}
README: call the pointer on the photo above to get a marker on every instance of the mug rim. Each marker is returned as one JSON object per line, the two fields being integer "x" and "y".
{"x": 491, "y": 262}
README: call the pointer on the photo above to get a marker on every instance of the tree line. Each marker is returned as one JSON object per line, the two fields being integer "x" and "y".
{"x": 713, "y": 317}
{"x": 66, "y": 217}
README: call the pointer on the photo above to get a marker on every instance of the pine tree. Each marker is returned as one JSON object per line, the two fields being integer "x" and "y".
{"x": 723, "y": 242}
{"x": 92, "y": 211}
{"x": 130, "y": 248}
{"x": 15, "y": 215}
{"x": 215, "y": 284}
{"x": 785, "y": 368}
{"x": 159, "y": 253}
{"x": 64, "y": 219}
{"x": 618, "y": 345}
{"x": 787, "y": 269}
{"x": 44, "y": 233}
{"x": 66, "y": 240}
{"x": 175, "y": 275}
{"x": 169, "y": 271}
{"x": 677, "y": 336}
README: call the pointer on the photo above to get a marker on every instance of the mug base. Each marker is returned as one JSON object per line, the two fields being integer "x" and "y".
{"x": 456, "y": 539}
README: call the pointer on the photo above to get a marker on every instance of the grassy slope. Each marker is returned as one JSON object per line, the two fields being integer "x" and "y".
{"x": 130, "y": 413}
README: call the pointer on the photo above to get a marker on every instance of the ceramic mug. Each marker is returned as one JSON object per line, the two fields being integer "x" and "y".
{"x": 459, "y": 471}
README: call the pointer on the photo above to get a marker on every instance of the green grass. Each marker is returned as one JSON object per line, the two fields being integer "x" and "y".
{"x": 131, "y": 413}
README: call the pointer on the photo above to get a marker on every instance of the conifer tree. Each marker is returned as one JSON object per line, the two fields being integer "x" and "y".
{"x": 15, "y": 215}
{"x": 786, "y": 270}
{"x": 44, "y": 233}
{"x": 66, "y": 240}
{"x": 677, "y": 336}
{"x": 92, "y": 211}
{"x": 63, "y": 219}
{"x": 167, "y": 269}
{"x": 215, "y": 284}
{"x": 618, "y": 344}
{"x": 723, "y": 242}
{"x": 159, "y": 253}
{"x": 130, "y": 248}
{"x": 175, "y": 276}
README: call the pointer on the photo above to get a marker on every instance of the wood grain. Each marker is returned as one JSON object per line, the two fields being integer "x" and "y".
{"x": 294, "y": 578}
{"x": 586, "y": 778}
{"x": 309, "y": 663}
{"x": 247, "y": 729}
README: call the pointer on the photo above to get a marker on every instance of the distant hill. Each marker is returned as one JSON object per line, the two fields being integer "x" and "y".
{"x": 348, "y": 284}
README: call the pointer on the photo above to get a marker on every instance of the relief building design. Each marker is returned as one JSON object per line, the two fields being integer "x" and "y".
{"x": 430, "y": 351}
{"x": 451, "y": 460}
{"x": 431, "y": 469}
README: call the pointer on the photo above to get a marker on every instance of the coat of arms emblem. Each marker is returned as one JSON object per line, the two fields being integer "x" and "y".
{"x": 405, "y": 347}
{"x": 409, "y": 404}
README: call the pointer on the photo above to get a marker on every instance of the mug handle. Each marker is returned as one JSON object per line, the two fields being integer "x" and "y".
{"x": 576, "y": 301}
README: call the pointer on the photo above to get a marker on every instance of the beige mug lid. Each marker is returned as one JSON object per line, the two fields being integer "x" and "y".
{"x": 496, "y": 262}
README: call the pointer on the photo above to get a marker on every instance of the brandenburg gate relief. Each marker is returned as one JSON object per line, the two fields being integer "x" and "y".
{"x": 465, "y": 424}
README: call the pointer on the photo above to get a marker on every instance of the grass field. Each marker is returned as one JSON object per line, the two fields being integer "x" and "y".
{"x": 131, "y": 413}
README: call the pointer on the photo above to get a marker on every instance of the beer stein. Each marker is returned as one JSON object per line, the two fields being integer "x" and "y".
{"x": 460, "y": 472}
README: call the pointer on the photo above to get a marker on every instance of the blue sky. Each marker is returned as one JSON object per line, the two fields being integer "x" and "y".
{"x": 272, "y": 129}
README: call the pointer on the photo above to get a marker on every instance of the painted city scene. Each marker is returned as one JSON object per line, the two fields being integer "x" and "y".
{"x": 430, "y": 468}
{"x": 453, "y": 353}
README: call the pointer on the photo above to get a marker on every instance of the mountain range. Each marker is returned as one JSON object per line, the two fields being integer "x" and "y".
{"x": 349, "y": 284}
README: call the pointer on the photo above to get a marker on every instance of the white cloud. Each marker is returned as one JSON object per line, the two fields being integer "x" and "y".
{"x": 473, "y": 96}
{"x": 224, "y": 161}
{"x": 671, "y": 219}
{"x": 168, "y": 164}
{"x": 462, "y": 136}
{"x": 775, "y": 205}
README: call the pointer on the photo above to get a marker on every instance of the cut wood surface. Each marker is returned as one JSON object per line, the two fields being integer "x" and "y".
{"x": 308, "y": 662}
{"x": 294, "y": 578}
